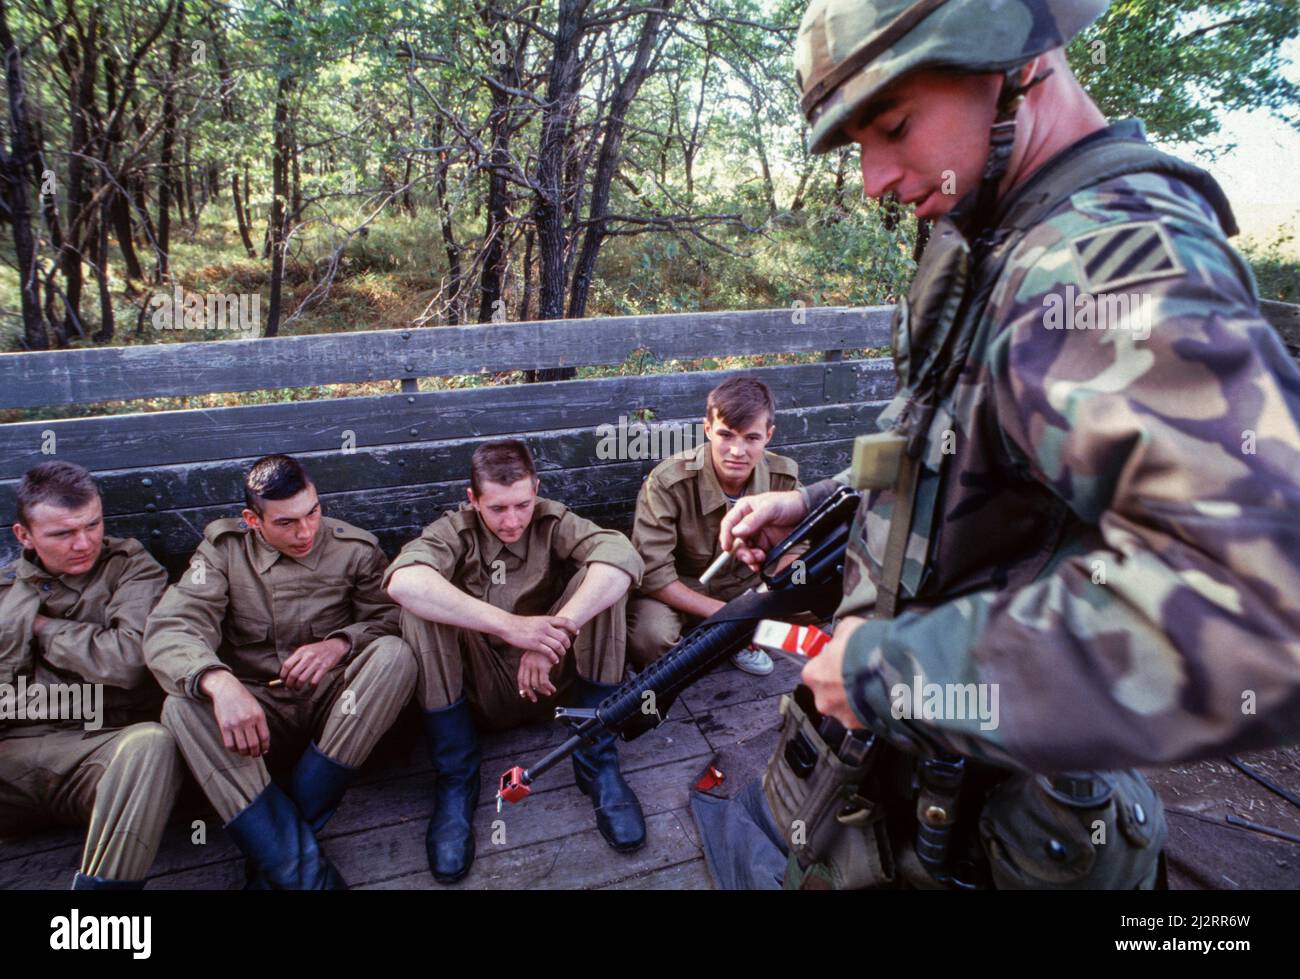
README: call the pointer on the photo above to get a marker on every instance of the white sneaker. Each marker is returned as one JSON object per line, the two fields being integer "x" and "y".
{"x": 753, "y": 660}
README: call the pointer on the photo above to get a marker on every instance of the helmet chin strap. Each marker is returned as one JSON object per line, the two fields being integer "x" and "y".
{"x": 974, "y": 219}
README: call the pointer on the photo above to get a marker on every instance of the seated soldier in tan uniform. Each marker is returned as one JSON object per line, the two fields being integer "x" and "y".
{"x": 513, "y": 605}
{"x": 72, "y": 612}
{"x": 279, "y": 632}
{"x": 680, "y": 509}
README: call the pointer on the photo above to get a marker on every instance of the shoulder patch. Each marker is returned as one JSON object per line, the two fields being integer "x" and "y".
{"x": 781, "y": 465}
{"x": 346, "y": 531}
{"x": 1123, "y": 255}
{"x": 545, "y": 509}
{"x": 226, "y": 525}
{"x": 673, "y": 470}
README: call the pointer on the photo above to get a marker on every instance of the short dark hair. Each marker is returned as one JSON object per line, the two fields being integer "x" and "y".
{"x": 275, "y": 477}
{"x": 739, "y": 400}
{"x": 504, "y": 462}
{"x": 61, "y": 484}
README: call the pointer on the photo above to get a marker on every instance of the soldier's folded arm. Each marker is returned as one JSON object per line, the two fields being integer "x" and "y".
{"x": 419, "y": 580}
{"x": 19, "y": 607}
{"x": 613, "y": 565}
{"x": 112, "y": 654}
{"x": 183, "y": 632}
{"x": 1170, "y": 631}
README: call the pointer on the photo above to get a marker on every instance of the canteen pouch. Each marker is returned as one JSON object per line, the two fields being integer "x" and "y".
{"x": 1090, "y": 830}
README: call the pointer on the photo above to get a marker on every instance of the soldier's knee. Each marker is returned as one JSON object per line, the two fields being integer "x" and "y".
{"x": 149, "y": 744}
{"x": 393, "y": 656}
{"x": 652, "y": 629}
{"x": 181, "y": 713}
{"x": 151, "y": 738}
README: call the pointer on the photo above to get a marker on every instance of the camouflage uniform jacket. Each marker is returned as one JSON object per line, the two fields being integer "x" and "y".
{"x": 1106, "y": 526}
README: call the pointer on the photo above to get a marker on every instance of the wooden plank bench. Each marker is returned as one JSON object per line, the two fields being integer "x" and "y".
{"x": 392, "y": 462}
{"x": 165, "y": 474}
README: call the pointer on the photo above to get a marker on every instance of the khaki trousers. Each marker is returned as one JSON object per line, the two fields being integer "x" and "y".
{"x": 122, "y": 782}
{"x": 653, "y": 628}
{"x": 346, "y": 714}
{"x": 455, "y": 662}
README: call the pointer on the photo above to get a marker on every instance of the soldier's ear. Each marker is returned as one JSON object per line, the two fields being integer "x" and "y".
{"x": 249, "y": 517}
{"x": 24, "y": 538}
{"x": 469, "y": 493}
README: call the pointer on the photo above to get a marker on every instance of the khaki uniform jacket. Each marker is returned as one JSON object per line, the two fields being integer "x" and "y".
{"x": 679, "y": 514}
{"x": 244, "y": 606}
{"x": 97, "y": 633}
{"x": 525, "y": 577}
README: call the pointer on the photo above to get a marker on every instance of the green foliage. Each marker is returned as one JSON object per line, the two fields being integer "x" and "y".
{"x": 1276, "y": 265}
{"x": 1180, "y": 64}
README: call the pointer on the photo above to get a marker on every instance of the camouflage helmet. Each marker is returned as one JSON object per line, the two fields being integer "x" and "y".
{"x": 847, "y": 51}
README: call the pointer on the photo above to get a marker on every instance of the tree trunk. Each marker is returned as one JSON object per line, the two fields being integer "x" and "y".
{"x": 769, "y": 190}
{"x": 241, "y": 218}
{"x": 607, "y": 163}
{"x": 14, "y": 166}
{"x": 188, "y": 184}
{"x": 296, "y": 176}
{"x": 922, "y": 238}
{"x": 279, "y": 192}
{"x": 548, "y": 207}
{"x": 491, "y": 280}
{"x": 106, "y": 323}
{"x": 82, "y": 89}
{"x": 166, "y": 178}
{"x": 448, "y": 233}
{"x": 527, "y": 301}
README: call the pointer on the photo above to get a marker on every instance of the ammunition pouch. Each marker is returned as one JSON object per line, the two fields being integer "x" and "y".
{"x": 832, "y": 795}
{"x": 816, "y": 788}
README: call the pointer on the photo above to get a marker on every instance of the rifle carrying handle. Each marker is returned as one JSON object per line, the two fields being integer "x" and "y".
{"x": 836, "y": 510}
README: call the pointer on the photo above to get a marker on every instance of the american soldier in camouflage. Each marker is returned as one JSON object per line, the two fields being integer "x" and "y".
{"x": 1147, "y": 610}
{"x": 1103, "y": 432}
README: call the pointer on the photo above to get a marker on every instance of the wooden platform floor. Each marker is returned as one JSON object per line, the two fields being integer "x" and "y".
{"x": 550, "y": 840}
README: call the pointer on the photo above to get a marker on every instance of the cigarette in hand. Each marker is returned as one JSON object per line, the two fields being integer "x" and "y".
{"x": 718, "y": 564}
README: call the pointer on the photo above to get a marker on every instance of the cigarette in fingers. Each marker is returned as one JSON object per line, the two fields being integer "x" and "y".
{"x": 718, "y": 564}
{"x": 277, "y": 682}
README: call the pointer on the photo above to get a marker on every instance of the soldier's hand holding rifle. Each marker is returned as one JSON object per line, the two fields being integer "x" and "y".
{"x": 756, "y": 523}
{"x": 753, "y": 525}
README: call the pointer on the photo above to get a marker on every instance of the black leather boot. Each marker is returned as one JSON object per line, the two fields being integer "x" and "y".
{"x": 595, "y": 767}
{"x": 281, "y": 848}
{"x": 81, "y": 882}
{"x": 317, "y": 786}
{"x": 454, "y": 750}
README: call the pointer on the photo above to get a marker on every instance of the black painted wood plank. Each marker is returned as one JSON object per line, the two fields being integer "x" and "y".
{"x": 87, "y": 376}
{"x": 171, "y": 437}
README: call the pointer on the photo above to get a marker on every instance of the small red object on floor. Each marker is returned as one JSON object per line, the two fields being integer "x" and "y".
{"x": 712, "y": 777}
{"x": 513, "y": 787}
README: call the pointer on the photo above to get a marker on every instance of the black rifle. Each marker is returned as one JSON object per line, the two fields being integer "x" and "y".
{"x": 811, "y": 583}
